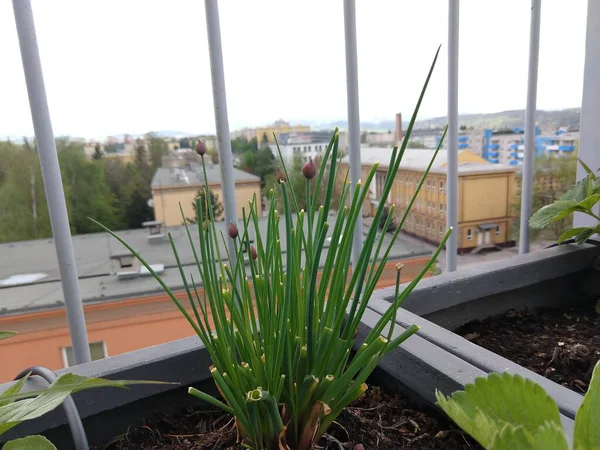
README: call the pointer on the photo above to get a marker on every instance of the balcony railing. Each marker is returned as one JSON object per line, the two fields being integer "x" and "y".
{"x": 589, "y": 136}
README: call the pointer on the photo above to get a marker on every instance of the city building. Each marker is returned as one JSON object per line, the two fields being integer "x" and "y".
{"x": 507, "y": 146}
{"x": 125, "y": 308}
{"x": 485, "y": 196}
{"x": 172, "y": 186}
{"x": 279, "y": 127}
{"x": 304, "y": 146}
{"x": 468, "y": 139}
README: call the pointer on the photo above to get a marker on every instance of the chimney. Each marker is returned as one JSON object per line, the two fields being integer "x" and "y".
{"x": 399, "y": 134}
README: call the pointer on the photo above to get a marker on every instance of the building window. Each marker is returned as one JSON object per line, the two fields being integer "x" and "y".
{"x": 428, "y": 185}
{"x": 441, "y": 185}
{"x": 441, "y": 230}
{"x": 469, "y": 234}
{"x": 497, "y": 230}
{"x": 97, "y": 350}
{"x": 441, "y": 209}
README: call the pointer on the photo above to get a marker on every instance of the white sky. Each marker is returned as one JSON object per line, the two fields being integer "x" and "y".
{"x": 117, "y": 66}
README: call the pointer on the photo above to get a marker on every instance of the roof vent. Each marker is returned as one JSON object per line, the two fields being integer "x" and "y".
{"x": 141, "y": 272}
{"x": 155, "y": 233}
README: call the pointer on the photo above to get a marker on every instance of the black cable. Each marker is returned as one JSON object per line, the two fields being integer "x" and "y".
{"x": 73, "y": 418}
{"x": 572, "y": 241}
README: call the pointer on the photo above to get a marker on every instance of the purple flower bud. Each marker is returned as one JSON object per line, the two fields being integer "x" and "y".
{"x": 253, "y": 252}
{"x": 200, "y": 148}
{"x": 309, "y": 170}
{"x": 233, "y": 230}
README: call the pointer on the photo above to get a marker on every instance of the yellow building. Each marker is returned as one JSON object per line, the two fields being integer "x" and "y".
{"x": 485, "y": 196}
{"x": 174, "y": 186}
{"x": 279, "y": 127}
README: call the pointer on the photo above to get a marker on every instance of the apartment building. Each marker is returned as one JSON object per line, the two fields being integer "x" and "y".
{"x": 302, "y": 146}
{"x": 172, "y": 186}
{"x": 278, "y": 128}
{"x": 471, "y": 140}
{"x": 507, "y": 146}
{"x": 485, "y": 196}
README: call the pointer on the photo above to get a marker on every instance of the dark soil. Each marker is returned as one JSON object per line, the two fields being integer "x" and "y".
{"x": 376, "y": 421}
{"x": 560, "y": 344}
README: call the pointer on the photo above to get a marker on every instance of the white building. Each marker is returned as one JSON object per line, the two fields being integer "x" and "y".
{"x": 303, "y": 146}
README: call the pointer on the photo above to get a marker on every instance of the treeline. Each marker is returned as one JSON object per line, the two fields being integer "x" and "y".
{"x": 106, "y": 189}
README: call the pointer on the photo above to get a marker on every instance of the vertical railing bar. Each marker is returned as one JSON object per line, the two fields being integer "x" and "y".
{"x": 353, "y": 115}
{"x": 532, "y": 77}
{"x": 589, "y": 131}
{"x": 53, "y": 186}
{"x": 452, "y": 163}
{"x": 213, "y": 29}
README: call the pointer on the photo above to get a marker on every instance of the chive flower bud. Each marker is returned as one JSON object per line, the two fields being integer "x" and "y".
{"x": 233, "y": 230}
{"x": 309, "y": 170}
{"x": 200, "y": 148}
{"x": 253, "y": 252}
{"x": 280, "y": 175}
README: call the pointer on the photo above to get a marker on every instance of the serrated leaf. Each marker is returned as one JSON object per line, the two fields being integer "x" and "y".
{"x": 45, "y": 400}
{"x": 570, "y": 234}
{"x": 551, "y": 213}
{"x": 577, "y": 192}
{"x": 550, "y": 437}
{"x": 14, "y": 389}
{"x": 587, "y": 419}
{"x": 511, "y": 438}
{"x": 35, "y": 442}
{"x": 488, "y": 404}
{"x": 6, "y": 334}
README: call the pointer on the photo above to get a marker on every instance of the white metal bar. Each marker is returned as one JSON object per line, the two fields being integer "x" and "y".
{"x": 353, "y": 116}
{"x": 589, "y": 136}
{"x": 452, "y": 163}
{"x": 529, "y": 153}
{"x": 222, "y": 121}
{"x": 53, "y": 187}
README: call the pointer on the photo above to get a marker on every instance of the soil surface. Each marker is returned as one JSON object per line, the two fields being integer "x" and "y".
{"x": 378, "y": 420}
{"x": 561, "y": 344}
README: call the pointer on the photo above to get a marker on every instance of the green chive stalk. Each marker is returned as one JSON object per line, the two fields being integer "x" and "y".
{"x": 280, "y": 337}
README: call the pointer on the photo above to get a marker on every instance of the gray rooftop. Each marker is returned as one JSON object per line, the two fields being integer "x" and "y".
{"x": 193, "y": 175}
{"x": 30, "y": 280}
{"x": 418, "y": 159}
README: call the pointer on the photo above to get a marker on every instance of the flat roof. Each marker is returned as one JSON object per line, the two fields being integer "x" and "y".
{"x": 418, "y": 159}
{"x": 33, "y": 284}
{"x": 192, "y": 174}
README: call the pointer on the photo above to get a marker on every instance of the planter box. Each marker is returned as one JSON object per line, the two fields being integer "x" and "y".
{"x": 433, "y": 359}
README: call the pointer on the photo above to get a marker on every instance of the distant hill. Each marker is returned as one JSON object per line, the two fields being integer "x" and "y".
{"x": 505, "y": 119}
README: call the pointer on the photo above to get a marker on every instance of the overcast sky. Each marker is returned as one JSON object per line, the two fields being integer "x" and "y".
{"x": 129, "y": 66}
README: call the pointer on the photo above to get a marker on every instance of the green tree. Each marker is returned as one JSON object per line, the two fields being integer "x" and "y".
{"x": 241, "y": 145}
{"x": 415, "y": 144}
{"x": 260, "y": 163}
{"x": 217, "y": 207}
{"x": 157, "y": 148}
{"x": 552, "y": 177}
{"x": 184, "y": 143}
{"x": 97, "y": 152}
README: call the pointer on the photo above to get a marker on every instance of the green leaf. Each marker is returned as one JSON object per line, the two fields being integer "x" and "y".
{"x": 24, "y": 408}
{"x": 14, "y": 389}
{"x": 584, "y": 235}
{"x": 589, "y": 202}
{"x": 587, "y": 431}
{"x": 576, "y": 193}
{"x": 551, "y": 213}
{"x": 587, "y": 169}
{"x": 35, "y": 442}
{"x": 7, "y": 334}
{"x": 485, "y": 406}
{"x": 548, "y": 437}
{"x": 570, "y": 234}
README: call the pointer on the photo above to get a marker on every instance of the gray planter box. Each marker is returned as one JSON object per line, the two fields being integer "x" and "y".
{"x": 433, "y": 359}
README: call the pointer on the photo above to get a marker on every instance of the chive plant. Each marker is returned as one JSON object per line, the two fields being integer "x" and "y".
{"x": 280, "y": 324}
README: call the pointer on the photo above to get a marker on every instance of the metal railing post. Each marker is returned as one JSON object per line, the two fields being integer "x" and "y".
{"x": 53, "y": 186}
{"x": 452, "y": 163}
{"x": 353, "y": 116}
{"x": 590, "y": 105}
{"x": 213, "y": 29}
{"x": 532, "y": 77}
